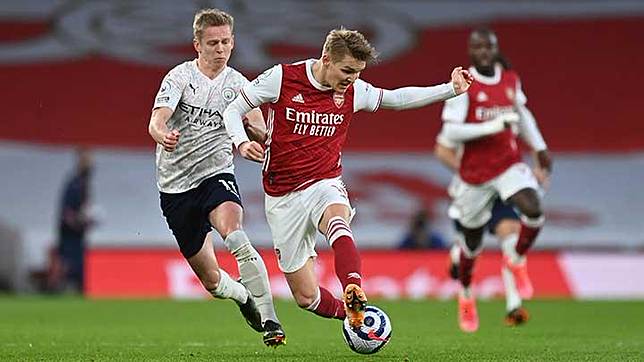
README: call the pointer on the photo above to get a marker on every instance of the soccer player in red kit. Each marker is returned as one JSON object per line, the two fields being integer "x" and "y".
{"x": 486, "y": 120}
{"x": 310, "y": 106}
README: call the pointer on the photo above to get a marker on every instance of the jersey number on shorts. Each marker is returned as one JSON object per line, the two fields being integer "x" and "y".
{"x": 230, "y": 186}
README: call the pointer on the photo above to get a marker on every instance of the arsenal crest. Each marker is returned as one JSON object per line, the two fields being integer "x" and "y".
{"x": 338, "y": 99}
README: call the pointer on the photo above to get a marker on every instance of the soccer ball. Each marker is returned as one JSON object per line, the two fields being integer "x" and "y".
{"x": 372, "y": 336}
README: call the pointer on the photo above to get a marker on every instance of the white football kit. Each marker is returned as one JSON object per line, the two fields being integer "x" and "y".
{"x": 198, "y": 102}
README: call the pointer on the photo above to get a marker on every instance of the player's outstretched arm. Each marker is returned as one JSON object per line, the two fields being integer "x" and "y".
{"x": 415, "y": 97}
{"x": 463, "y": 132}
{"x": 158, "y": 129}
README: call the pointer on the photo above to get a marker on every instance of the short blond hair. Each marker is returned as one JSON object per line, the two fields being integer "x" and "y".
{"x": 210, "y": 17}
{"x": 341, "y": 42}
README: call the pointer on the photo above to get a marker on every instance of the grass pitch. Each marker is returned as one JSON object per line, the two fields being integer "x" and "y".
{"x": 38, "y": 328}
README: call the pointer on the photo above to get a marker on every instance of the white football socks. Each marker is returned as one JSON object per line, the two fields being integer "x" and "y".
{"x": 508, "y": 246}
{"x": 253, "y": 273}
{"x": 512, "y": 298}
{"x": 228, "y": 288}
{"x": 455, "y": 254}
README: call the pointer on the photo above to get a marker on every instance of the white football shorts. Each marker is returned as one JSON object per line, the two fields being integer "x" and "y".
{"x": 294, "y": 218}
{"x": 472, "y": 204}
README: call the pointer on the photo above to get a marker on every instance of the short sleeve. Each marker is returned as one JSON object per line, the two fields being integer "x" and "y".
{"x": 521, "y": 98}
{"x": 366, "y": 97}
{"x": 171, "y": 89}
{"x": 455, "y": 109}
{"x": 263, "y": 89}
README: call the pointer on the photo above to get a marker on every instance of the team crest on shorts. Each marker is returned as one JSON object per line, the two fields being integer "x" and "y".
{"x": 338, "y": 99}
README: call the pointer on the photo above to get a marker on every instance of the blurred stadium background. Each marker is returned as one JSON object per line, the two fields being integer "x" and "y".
{"x": 84, "y": 73}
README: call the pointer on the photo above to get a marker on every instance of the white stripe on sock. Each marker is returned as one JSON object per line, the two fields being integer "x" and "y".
{"x": 316, "y": 302}
{"x": 533, "y": 223}
{"x": 337, "y": 228}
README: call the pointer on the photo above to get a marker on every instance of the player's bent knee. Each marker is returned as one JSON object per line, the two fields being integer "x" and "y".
{"x": 226, "y": 218}
{"x": 533, "y": 212}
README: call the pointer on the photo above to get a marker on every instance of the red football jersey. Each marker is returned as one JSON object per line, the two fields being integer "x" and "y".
{"x": 307, "y": 129}
{"x": 487, "y": 157}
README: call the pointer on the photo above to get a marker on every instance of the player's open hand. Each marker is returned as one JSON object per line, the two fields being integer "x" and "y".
{"x": 461, "y": 80}
{"x": 252, "y": 150}
{"x": 170, "y": 140}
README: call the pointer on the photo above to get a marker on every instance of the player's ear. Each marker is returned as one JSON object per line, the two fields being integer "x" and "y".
{"x": 196, "y": 44}
{"x": 232, "y": 42}
{"x": 326, "y": 59}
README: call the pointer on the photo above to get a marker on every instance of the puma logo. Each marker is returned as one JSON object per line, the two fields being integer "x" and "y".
{"x": 194, "y": 89}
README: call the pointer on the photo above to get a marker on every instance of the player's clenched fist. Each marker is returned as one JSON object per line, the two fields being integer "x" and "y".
{"x": 252, "y": 150}
{"x": 170, "y": 140}
{"x": 461, "y": 79}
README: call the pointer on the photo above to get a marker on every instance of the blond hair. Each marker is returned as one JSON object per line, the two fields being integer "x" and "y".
{"x": 342, "y": 42}
{"x": 210, "y": 17}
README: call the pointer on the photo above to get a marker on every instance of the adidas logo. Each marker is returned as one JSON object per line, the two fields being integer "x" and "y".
{"x": 298, "y": 98}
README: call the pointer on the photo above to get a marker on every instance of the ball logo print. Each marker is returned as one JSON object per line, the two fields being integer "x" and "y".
{"x": 372, "y": 336}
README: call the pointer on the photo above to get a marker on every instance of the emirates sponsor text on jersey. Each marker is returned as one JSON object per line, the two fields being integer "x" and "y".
{"x": 488, "y": 113}
{"x": 313, "y": 123}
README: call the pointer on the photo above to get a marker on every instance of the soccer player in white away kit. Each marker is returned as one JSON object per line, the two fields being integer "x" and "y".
{"x": 195, "y": 171}
{"x": 484, "y": 121}
{"x": 310, "y": 106}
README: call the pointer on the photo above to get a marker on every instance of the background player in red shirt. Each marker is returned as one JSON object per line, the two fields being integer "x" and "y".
{"x": 310, "y": 106}
{"x": 486, "y": 121}
{"x": 504, "y": 225}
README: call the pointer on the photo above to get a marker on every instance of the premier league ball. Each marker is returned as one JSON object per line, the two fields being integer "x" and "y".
{"x": 372, "y": 336}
